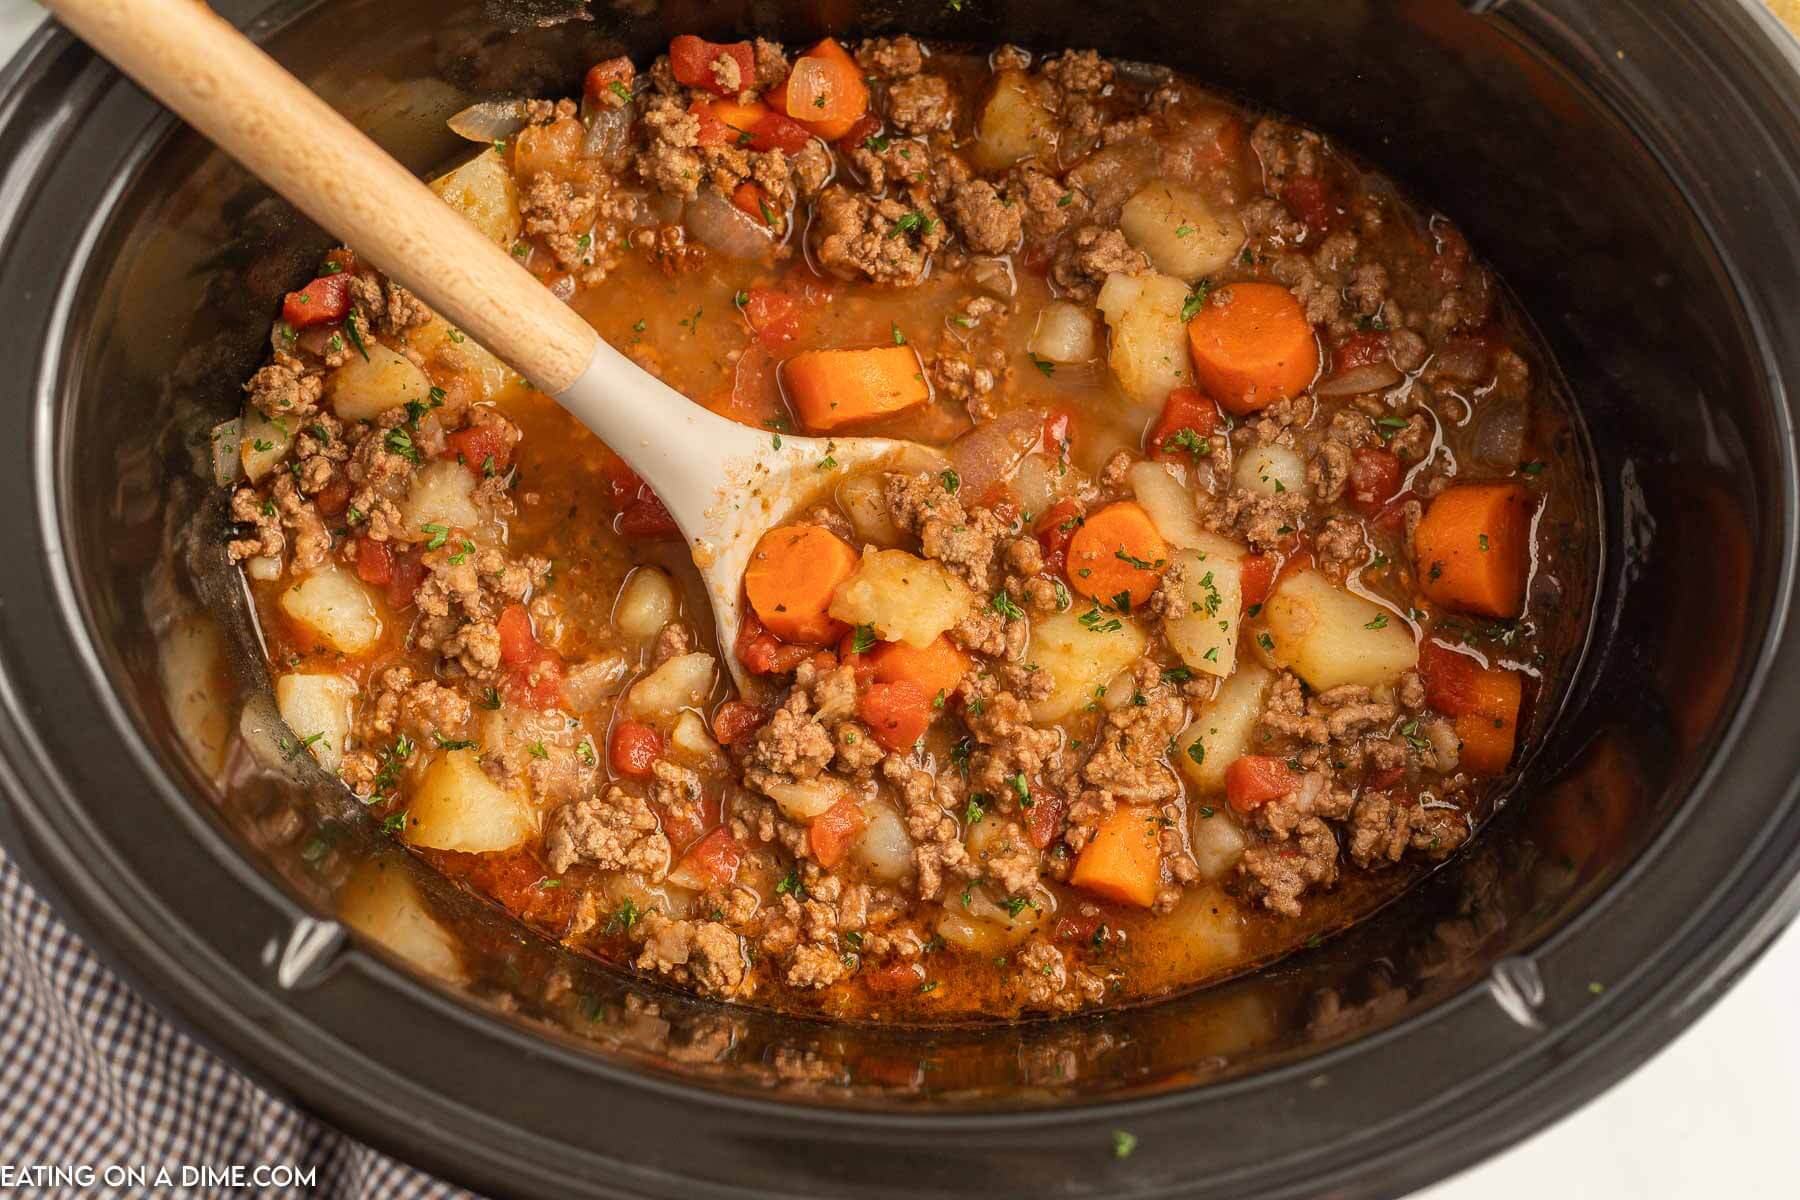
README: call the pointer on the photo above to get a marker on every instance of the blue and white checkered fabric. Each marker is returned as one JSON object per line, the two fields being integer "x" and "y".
{"x": 92, "y": 1075}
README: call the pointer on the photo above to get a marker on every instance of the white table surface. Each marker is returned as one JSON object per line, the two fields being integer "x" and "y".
{"x": 1715, "y": 1115}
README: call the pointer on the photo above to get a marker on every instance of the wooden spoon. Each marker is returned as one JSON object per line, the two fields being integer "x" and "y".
{"x": 724, "y": 483}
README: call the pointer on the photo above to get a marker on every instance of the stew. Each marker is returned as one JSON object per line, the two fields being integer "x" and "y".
{"x": 1253, "y": 557}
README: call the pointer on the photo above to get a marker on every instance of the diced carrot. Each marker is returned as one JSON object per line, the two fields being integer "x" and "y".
{"x": 692, "y": 61}
{"x": 1473, "y": 548}
{"x": 936, "y": 669}
{"x": 713, "y": 861}
{"x": 832, "y": 388}
{"x": 832, "y": 831}
{"x": 1054, "y": 530}
{"x": 1363, "y": 349}
{"x": 1117, "y": 551}
{"x": 1483, "y": 702}
{"x": 748, "y": 199}
{"x": 1122, "y": 861}
{"x": 1375, "y": 476}
{"x": 897, "y": 714}
{"x": 793, "y": 572}
{"x": 484, "y": 449}
{"x": 1252, "y": 346}
{"x": 736, "y": 720}
{"x": 1256, "y": 779}
{"x": 1188, "y": 419}
{"x": 825, "y": 91}
{"x": 325, "y": 299}
{"x": 774, "y": 131}
{"x": 633, "y": 748}
{"x": 1257, "y": 576}
{"x": 739, "y": 118}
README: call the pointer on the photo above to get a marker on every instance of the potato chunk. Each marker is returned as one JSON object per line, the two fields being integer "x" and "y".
{"x": 1329, "y": 636}
{"x": 482, "y": 190}
{"x": 1015, "y": 123}
{"x": 380, "y": 902}
{"x": 334, "y": 605}
{"x": 647, "y": 602}
{"x": 1149, "y": 352}
{"x": 364, "y": 388}
{"x": 1064, "y": 333}
{"x": 1205, "y": 605}
{"x": 441, "y": 495}
{"x": 317, "y": 709}
{"x": 906, "y": 598}
{"x": 683, "y": 682}
{"x": 264, "y": 443}
{"x": 1271, "y": 470}
{"x": 1182, "y": 234}
{"x": 456, "y": 806}
{"x": 1081, "y": 652}
{"x": 1222, "y": 729}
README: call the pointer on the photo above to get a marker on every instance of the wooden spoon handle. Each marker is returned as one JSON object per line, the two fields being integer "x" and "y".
{"x": 224, "y": 86}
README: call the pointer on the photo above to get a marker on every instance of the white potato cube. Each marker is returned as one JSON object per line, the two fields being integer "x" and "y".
{"x": 1171, "y": 510}
{"x": 685, "y": 681}
{"x": 1149, "y": 353}
{"x": 883, "y": 847}
{"x": 804, "y": 799}
{"x": 191, "y": 654}
{"x": 863, "y": 498}
{"x": 1081, "y": 652}
{"x": 482, "y": 190}
{"x": 442, "y": 495}
{"x": 1015, "y": 123}
{"x": 1064, "y": 333}
{"x": 336, "y": 606}
{"x": 442, "y": 344}
{"x": 380, "y": 902}
{"x": 362, "y": 389}
{"x": 646, "y": 603}
{"x": 985, "y": 927}
{"x": 317, "y": 709}
{"x": 693, "y": 741}
{"x": 1205, "y": 604}
{"x": 906, "y": 598}
{"x": 1270, "y": 470}
{"x": 1179, "y": 231}
{"x": 1329, "y": 636}
{"x": 1222, "y": 729}
{"x": 456, "y": 806}
{"x": 1216, "y": 839}
{"x": 264, "y": 444}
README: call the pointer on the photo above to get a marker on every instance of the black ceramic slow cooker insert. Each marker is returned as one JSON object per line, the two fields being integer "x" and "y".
{"x": 1630, "y": 169}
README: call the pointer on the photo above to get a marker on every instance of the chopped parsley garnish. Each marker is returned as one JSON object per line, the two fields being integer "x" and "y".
{"x": 1138, "y": 563}
{"x": 400, "y": 442}
{"x": 1534, "y": 467}
{"x": 910, "y": 222}
{"x": 1186, "y": 439}
{"x": 617, "y": 87}
{"x": 1095, "y": 621}
{"x": 862, "y": 639}
{"x": 350, "y": 323}
{"x": 623, "y": 918}
{"x": 1380, "y": 622}
{"x": 950, "y": 479}
{"x": 1003, "y": 604}
{"x": 1044, "y": 365}
{"x": 899, "y": 338}
{"x": 490, "y": 698}
{"x": 1176, "y": 675}
{"x": 1020, "y": 787}
{"x": 1123, "y": 1143}
{"x": 445, "y": 743}
{"x": 875, "y": 142}
{"x": 975, "y": 810}
{"x": 791, "y": 885}
{"x": 1190, "y": 308}
{"x": 439, "y": 533}
{"x": 536, "y": 750}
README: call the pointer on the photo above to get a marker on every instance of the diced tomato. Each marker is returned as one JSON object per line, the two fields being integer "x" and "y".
{"x": 1044, "y": 819}
{"x": 1257, "y": 576}
{"x": 713, "y": 860}
{"x": 476, "y": 446}
{"x": 1056, "y": 431}
{"x": 774, "y": 315}
{"x": 320, "y": 302}
{"x": 1310, "y": 199}
{"x": 1053, "y": 531}
{"x": 762, "y": 653}
{"x": 866, "y": 127}
{"x": 1383, "y": 779}
{"x": 894, "y": 977}
{"x": 1076, "y": 926}
{"x": 1188, "y": 418}
{"x": 736, "y": 720}
{"x": 861, "y": 665}
{"x": 1256, "y": 779}
{"x": 748, "y": 199}
{"x": 646, "y": 518}
{"x": 602, "y": 75}
{"x": 374, "y": 563}
{"x": 518, "y": 643}
{"x": 897, "y": 714}
{"x": 1392, "y": 516}
{"x": 774, "y": 131}
{"x": 832, "y": 831}
{"x": 1361, "y": 350}
{"x": 405, "y": 573}
{"x": 634, "y": 747}
{"x": 1374, "y": 478}
{"x": 691, "y": 59}
{"x": 712, "y": 131}
{"x": 515, "y": 879}
{"x": 334, "y": 497}
{"x": 1452, "y": 680}
{"x": 537, "y": 684}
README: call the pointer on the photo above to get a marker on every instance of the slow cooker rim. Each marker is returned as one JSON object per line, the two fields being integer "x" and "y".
{"x": 1109, "y": 1111}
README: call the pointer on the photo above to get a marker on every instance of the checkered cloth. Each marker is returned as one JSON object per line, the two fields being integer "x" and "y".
{"x": 92, "y": 1074}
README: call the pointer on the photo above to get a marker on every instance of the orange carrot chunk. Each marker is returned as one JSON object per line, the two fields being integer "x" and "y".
{"x": 1473, "y": 549}
{"x": 1252, "y": 346}
{"x": 1482, "y": 702}
{"x": 936, "y": 669}
{"x": 1122, "y": 860}
{"x": 897, "y": 714}
{"x": 1117, "y": 552}
{"x": 830, "y": 388}
{"x": 793, "y": 572}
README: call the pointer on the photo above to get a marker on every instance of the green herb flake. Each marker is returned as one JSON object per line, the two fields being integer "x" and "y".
{"x": 1123, "y": 1143}
{"x": 862, "y": 639}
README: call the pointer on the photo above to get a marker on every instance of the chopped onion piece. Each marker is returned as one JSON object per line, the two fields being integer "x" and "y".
{"x": 227, "y": 466}
{"x": 1357, "y": 381}
{"x": 717, "y": 225}
{"x": 490, "y": 120}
